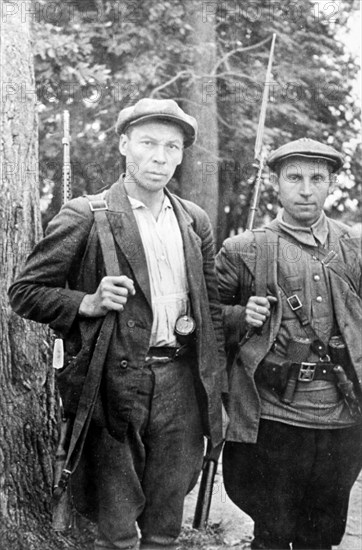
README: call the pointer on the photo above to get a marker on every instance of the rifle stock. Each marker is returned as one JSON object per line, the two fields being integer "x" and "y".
{"x": 203, "y": 503}
{"x": 62, "y": 513}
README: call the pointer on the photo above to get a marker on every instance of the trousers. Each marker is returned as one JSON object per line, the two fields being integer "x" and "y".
{"x": 294, "y": 483}
{"x": 142, "y": 481}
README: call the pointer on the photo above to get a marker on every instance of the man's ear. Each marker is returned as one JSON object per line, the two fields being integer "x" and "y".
{"x": 274, "y": 180}
{"x": 123, "y": 142}
{"x": 181, "y": 157}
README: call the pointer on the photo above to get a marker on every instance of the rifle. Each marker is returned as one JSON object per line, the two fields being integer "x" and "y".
{"x": 211, "y": 458}
{"x": 58, "y": 350}
{"x": 258, "y": 149}
{"x": 62, "y": 511}
{"x": 67, "y": 171}
{"x": 209, "y": 469}
{"x": 62, "y": 516}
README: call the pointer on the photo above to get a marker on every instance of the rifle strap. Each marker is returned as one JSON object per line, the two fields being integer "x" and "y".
{"x": 266, "y": 258}
{"x": 265, "y": 265}
{"x": 261, "y": 263}
{"x": 93, "y": 379}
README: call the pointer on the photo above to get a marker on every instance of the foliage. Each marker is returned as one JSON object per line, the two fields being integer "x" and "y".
{"x": 94, "y": 58}
{"x": 311, "y": 94}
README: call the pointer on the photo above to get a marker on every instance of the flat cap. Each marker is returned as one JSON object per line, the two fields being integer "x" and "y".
{"x": 309, "y": 148}
{"x": 162, "y": 109}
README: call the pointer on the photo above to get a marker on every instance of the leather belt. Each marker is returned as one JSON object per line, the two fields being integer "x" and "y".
{"x": 164, "y": 354}
{"x": 307, "y": 372}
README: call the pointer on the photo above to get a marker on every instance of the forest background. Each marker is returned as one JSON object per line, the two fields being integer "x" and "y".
{"x": 96, "y": 57}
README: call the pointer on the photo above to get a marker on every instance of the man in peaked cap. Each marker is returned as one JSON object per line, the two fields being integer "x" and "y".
{"x": 162, "y": 380}
{"x": 292, "y": 316}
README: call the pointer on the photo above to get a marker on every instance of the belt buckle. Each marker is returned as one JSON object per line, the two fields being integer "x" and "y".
{"x": 307, "y": 372}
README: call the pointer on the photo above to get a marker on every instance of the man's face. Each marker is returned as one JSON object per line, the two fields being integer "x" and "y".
{"x": 152, "y": 150}
{"x": 303, "y": 188}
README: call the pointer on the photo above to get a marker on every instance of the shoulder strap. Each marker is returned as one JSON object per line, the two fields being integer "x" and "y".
{"x": 298, "y": 309}
{"x": 261, "y": 263}
{"x": 92, "y": 381}
{"x": 99, "y": 208}
{"x": 293, "y": 300}
{"x": 265, "y": 259}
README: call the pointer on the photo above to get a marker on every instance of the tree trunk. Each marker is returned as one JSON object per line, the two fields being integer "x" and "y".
{"x": 27, "y": 404}
{"x": 199, "y": 175}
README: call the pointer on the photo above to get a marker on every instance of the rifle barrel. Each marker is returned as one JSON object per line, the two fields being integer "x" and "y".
{"x": 264, "y": 103}
{"x": 258, "y": 156}
{"x": 256, "y": 195}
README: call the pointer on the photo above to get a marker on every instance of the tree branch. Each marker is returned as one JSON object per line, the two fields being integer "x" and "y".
{"x": 239, "y": 50}
{"x": 171, "y": 81}
{"x": 234, "y": 74}
{"x": 213, "y": 74}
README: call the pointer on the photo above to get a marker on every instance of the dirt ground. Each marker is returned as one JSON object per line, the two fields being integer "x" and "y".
{"x": 228, "y": 527}
{"x": 231, "y": 528}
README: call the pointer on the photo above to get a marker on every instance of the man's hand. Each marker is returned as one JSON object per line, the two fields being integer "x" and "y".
{"x": 258, "y": 310}
{"x": 111, "y": 294}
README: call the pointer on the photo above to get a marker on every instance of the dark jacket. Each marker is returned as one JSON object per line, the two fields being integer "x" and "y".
{"x": 236, "y": 265}
{"x": 67, "y": 264}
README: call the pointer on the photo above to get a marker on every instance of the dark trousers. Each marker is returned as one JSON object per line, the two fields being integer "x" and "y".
{"x": 294, "y": 483}
{"x": 145, "y": 479}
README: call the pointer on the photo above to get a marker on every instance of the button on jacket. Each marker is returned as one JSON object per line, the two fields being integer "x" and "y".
{"x": 235, "y": 264}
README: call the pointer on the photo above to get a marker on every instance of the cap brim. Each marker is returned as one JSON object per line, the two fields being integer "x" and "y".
{"x": 336, "y": 164}
{"x": 188, "y": 130}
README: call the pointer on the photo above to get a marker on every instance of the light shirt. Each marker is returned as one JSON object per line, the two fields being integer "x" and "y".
{"x": 316, "y": 404}
{"x": 163, "y": 246}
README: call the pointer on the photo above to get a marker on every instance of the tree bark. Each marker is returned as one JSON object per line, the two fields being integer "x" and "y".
{"x": 199, "y": 175}
{"x": 27, "y": 404}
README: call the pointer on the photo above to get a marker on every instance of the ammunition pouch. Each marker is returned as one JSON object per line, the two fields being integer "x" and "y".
{"x": 282, "y": 376}
{"x": 273, "y": 372}
{"x": 276, "y": 371}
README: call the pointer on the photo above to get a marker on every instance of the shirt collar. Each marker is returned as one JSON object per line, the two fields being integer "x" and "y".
{"x": 310, "y": 236}
{"x": 135, "y": 203}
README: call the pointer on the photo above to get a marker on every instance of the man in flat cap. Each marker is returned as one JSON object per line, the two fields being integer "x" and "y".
{"x": 163, "y": 375}
{"x": 292, "y": 315}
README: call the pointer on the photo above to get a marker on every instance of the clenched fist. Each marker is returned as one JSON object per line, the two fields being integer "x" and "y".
{"x": 111, "y": 294}
{"x": 258, "y": 310}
